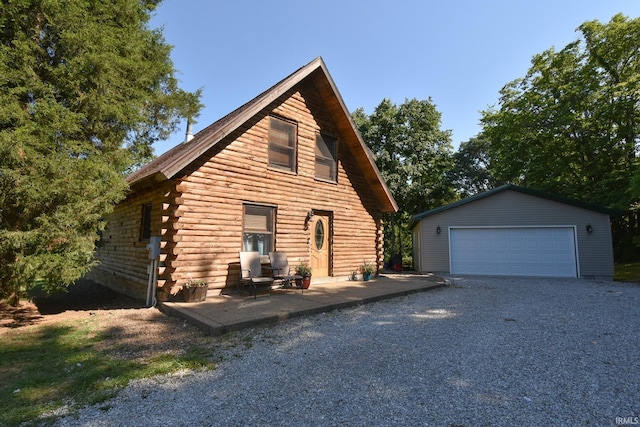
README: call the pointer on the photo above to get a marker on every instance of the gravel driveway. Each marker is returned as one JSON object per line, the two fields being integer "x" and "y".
{"x": 483, "y": 352}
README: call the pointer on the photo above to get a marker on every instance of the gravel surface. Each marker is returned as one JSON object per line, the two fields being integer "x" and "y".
{"x": 483, "y": 352}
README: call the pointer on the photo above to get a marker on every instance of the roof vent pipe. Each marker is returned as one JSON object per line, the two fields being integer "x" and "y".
{"x": 189, "y": 135}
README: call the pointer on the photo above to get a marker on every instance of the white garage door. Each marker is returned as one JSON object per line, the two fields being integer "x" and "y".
{"x": 526, "y": 251}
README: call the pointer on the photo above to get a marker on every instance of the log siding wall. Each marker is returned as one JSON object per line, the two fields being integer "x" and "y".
{"x": 122, "y": 254}
{"x": 199, "y": 214}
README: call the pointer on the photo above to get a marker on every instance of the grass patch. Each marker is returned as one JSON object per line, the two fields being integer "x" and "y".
{"x": 51, "y": 367}
{"x": 628, "y": 272}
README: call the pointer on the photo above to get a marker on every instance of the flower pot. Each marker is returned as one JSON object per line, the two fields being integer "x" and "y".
{"x": 304, "y": 282}
{"x": 366, "y": 276}
{"x": 195, "y": 294}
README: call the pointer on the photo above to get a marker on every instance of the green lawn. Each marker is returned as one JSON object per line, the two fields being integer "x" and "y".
{"x": 628, "y": 272}
{"x": 49, "y": 367}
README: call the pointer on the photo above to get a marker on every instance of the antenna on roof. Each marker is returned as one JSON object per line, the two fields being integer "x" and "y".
{"x": 189, "y": 135}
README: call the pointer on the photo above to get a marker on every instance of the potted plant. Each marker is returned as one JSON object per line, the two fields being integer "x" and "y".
{"x": 367, "y": 269}
{"x": 303, "y": 269}
{"x": 194, "y": 290}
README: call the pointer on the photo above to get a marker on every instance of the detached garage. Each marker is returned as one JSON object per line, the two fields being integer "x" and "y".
{"x": 515, "y": 231}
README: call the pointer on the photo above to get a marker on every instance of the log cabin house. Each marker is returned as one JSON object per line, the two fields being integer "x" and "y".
{"x": 287, "y": 171}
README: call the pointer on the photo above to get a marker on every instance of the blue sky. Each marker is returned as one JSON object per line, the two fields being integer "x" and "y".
{"x": 458, "y": 52}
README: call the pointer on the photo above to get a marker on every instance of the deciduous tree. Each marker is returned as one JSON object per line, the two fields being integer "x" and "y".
{"x": 413, "y": 155}
{"x": 572, "y": 124}
{"x": 472, "y": 170}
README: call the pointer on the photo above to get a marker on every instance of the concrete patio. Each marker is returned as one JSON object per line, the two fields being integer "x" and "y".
{"x": 220, "y": 314}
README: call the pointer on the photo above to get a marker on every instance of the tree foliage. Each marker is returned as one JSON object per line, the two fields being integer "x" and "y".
{"x": 413, "y": 155}
{"x": 86, "y": 87}
{"x": 571, "y": 125}
{"x": 472, "y": 169}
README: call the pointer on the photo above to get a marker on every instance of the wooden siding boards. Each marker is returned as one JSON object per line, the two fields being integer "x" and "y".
{"x": 197, "y": 191}
{"x": 509, "y": 206}
{"x": 313, "y": 75}
{"x": 122, "y": 253}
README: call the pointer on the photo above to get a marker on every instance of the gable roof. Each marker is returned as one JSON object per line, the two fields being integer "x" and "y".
{"x": 524, "y": 190}
{"x": 169, "y": 164}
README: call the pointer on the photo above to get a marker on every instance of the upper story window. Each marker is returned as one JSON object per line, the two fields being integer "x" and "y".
{"x": 326, "y": 158}
{"x": 282, "y": 144}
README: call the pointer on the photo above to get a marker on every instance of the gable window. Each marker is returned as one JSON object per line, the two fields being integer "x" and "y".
{"x": 282, "y": 144}
{"x": 258, "y": 228}
{"x": 326, "y": 159}
{"x": 145, "y": 229}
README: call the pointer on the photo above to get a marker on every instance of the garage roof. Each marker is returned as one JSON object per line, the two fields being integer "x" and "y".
{"x": 512, "y": 187}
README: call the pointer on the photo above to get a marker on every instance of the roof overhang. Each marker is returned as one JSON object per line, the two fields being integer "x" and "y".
{"x": 171, "y": 163}
{"x": 524, "y": 190}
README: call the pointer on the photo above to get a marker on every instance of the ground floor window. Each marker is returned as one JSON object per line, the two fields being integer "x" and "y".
{"x": 145, "y": 228}
{"x": 258, "y": 227}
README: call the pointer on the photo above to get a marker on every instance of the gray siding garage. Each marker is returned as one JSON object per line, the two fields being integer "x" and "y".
{"x": 515, "y": 231}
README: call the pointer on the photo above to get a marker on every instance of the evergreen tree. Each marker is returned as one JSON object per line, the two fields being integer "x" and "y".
{"x": 86, "y": 87}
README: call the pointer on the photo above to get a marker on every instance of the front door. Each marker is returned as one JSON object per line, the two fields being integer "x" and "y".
{"x": 320, "y": 248}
